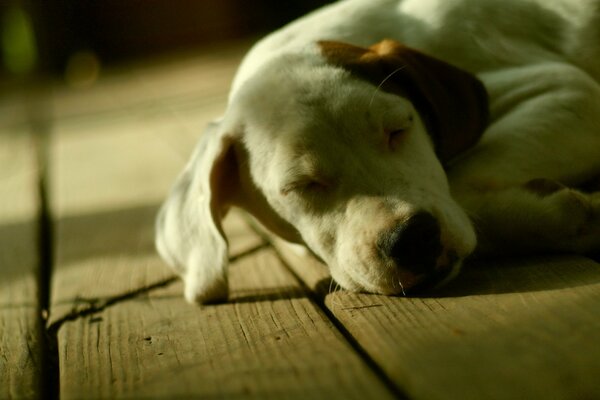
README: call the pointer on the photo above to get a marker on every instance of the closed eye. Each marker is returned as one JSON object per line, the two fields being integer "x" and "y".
{"x": 395, "y": 137}
{"x": 396, "y": 129}
{"x": 306, "y": 185}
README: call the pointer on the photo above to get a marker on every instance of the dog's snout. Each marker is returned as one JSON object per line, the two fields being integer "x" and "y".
{"x": 415, "y": 244}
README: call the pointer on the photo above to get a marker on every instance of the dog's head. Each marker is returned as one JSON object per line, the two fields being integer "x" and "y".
{"x": 341, "y": 150}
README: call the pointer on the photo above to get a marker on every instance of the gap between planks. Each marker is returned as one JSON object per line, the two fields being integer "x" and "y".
{"x": 511, "y": 328}
{"x": 268, "y": 341}
{"x": 25, "y": 248}
{"x": 108, "y": 254}
{"x": 41, "y": 127}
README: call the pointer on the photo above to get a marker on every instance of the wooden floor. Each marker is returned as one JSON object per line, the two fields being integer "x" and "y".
{"x": 88, "y": 310}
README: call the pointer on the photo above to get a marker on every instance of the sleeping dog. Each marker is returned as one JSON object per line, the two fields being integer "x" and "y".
{"x": 394, "y": 138}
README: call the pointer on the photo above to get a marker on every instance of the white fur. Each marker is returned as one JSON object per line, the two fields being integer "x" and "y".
{"x": 293, "y": 117}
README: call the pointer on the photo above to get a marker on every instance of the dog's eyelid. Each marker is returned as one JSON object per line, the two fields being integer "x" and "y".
{"x": 395, "y": 132}
{"x": 288, "y": 188}
{"x": 398, "y": 125}
{"x": 305, "y": 184}
{"x": 395, "y": 136}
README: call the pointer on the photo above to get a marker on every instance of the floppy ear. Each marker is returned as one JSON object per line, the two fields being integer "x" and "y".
{"x": 189, "y": 235}
{"x": 453, "y": 102}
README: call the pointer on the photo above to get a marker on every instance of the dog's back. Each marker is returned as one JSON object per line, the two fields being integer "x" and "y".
{"x": 475, "y": 35}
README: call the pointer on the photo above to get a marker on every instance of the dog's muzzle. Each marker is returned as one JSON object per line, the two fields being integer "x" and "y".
{"x": 414, "y": 246}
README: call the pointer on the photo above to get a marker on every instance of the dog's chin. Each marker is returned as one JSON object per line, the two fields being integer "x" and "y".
{"x": 397, "y": 282}
{"x": 389, "y": 283}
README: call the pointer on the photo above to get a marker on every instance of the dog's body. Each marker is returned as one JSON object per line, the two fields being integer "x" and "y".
{"x": 339, "y": 146}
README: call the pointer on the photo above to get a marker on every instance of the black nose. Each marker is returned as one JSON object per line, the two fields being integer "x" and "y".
{"x": 415, "y": 244}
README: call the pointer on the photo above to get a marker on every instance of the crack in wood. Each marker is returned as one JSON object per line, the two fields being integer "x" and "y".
{"x": 318, "y": 296}
{"x": 361, "y": 307}
{"x": 40, "y": 128}
{"x": 87, "y": 306}
{"x": 96, "y": 305}
{"x": 249, "y": 251}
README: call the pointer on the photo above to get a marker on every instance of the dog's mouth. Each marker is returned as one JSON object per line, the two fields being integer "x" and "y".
{"x": 395, "y": 281}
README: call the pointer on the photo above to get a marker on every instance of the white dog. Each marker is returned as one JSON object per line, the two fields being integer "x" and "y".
{"x": 394, "y": 137}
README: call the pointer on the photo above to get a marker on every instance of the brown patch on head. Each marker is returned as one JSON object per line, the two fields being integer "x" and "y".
{"x": 543, "y": 187}
{"x": 453, "y": 102}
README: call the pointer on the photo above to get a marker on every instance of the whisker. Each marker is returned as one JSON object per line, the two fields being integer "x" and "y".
{"x": 383, "y": 271}
{"x": 402, "y": 287}
{"x": 384, "y": 81}
{"x": 333, "y": 294}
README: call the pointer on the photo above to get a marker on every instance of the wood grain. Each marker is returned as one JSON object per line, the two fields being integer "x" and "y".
{"x": 107, "y": 184}
{"x": 269, "y": 341}
{"x": 20, "y": 319}
{"x": 511, "y": 329}
{"x": 116, "y": 151}
{"x": 123, "y": 334}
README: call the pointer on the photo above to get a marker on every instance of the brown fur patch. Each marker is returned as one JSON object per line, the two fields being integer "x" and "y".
{"x": 452, "y": 102}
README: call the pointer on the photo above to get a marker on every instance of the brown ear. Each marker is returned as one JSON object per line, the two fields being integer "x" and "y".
{"x": 453, "y": 102}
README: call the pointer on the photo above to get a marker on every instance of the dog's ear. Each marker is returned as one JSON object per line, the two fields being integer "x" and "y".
{"x": 453, "y": 102}
{"x": 189, "y": 235}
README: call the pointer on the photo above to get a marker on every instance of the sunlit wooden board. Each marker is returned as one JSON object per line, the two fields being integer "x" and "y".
{"x": 509, "y": 329}
{"x": 20, "y": 314}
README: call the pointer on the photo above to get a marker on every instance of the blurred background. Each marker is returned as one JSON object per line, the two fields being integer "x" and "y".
{"x": 75, "y": 39}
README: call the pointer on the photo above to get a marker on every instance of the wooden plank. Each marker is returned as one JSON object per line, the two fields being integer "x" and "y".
{"x": 111, "y": 255}
{"x": 108, "y": 180}
{"x": 120, "y": 335}
{"x": 113, "y": 162}
{"x": 511, "y": 329}
{"x": 269, "y": 341}
{"x": 20, "y": 319}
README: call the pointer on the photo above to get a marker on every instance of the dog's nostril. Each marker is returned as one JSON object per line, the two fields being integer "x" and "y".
{"x": 414, "y": 245}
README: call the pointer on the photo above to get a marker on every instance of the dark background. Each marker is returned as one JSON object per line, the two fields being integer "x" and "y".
{"x": 121, "y": 30}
